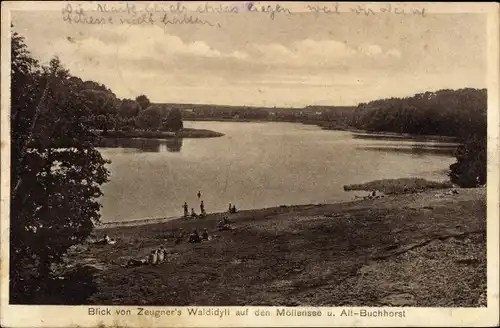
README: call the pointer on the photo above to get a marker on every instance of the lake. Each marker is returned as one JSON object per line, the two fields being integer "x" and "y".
{"x": 255, "y": 165}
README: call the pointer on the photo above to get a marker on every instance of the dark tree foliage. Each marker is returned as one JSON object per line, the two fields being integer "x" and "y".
{"x": 143, "y": 101}
{"x": 149, "y": 119}
{"x": 446, "y": 112}
{"x": 173, "y": 121}
{"x": 129, "y": 108}
{"x": 56, "y": 172}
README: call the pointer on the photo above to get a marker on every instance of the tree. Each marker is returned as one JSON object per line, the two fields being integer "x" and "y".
{"x": 149, "y": 119}
{"x": 173, "y": 120}
{"x": 102, "y": 102}
{"x": 56, "y": 172}
{"x": 143, "y": 101}
{"x": 129, "y": 108}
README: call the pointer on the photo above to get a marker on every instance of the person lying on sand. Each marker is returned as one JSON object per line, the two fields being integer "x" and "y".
{"x": 135, "y": 263}
{"x": 105, "y": 241}
{"x": 223, "y": 224}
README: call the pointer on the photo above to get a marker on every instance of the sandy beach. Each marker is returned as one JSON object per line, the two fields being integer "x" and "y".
{"x": 420, "y": 249}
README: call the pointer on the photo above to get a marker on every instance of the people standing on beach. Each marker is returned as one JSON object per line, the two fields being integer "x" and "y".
{"x": 202, "y": 208}
{"x": 185, "y": 206}
{"x": 199, "y": 194}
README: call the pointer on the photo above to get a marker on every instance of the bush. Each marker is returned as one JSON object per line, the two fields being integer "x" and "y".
{"x": 470, "y": 168}
{"x": 399, "y": 186}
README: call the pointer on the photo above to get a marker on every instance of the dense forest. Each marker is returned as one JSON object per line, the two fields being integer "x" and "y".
{"x": 456, "y": 113}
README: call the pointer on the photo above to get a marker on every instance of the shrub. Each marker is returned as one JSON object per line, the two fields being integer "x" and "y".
{"x": 470, "y": 168}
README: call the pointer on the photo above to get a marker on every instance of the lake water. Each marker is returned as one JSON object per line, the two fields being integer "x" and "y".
{"x": 255, "y": 165}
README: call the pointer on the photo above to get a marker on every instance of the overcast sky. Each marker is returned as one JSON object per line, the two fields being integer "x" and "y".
{"x": 250, "y": 59}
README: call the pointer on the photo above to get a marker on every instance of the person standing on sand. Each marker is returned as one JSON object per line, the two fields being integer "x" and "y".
{"x": 202, "y": 208}
{"x": 230, "y": 208}
{"x": 185, "y": 206}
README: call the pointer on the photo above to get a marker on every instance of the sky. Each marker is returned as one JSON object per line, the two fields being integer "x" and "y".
{"x": 250, "y": 59}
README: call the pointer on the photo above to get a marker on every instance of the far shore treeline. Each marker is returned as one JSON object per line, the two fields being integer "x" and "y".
{"x": 57, "y": 172}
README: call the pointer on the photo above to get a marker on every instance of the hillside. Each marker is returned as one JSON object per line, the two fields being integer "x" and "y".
{"x": 424, "y": 249}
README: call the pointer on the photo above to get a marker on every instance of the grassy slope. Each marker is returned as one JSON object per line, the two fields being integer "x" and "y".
{"x": 396, "y": 250}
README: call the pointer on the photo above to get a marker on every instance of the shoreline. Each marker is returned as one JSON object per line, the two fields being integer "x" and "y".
{"x": 160, "y": 220}
{"x": 384, "y": 187}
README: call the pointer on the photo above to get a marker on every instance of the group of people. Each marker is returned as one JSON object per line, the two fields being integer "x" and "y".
{"x": 374, "y": 195}
{"x": 195, "y": 237}
{"x": 157, "y": 256}
{"x": 231, "y": 209}
{"x": 193, "y": 213}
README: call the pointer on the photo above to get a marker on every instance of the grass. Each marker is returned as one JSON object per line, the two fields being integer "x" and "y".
{"x": 399, "y": 186}
{"x": 412, "y": 249}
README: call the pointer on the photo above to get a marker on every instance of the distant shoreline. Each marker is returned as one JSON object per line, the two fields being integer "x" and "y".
{"x": 324, "y": 125}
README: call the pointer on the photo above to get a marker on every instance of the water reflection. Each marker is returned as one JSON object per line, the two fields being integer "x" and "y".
{"x": 173, "y": 145}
